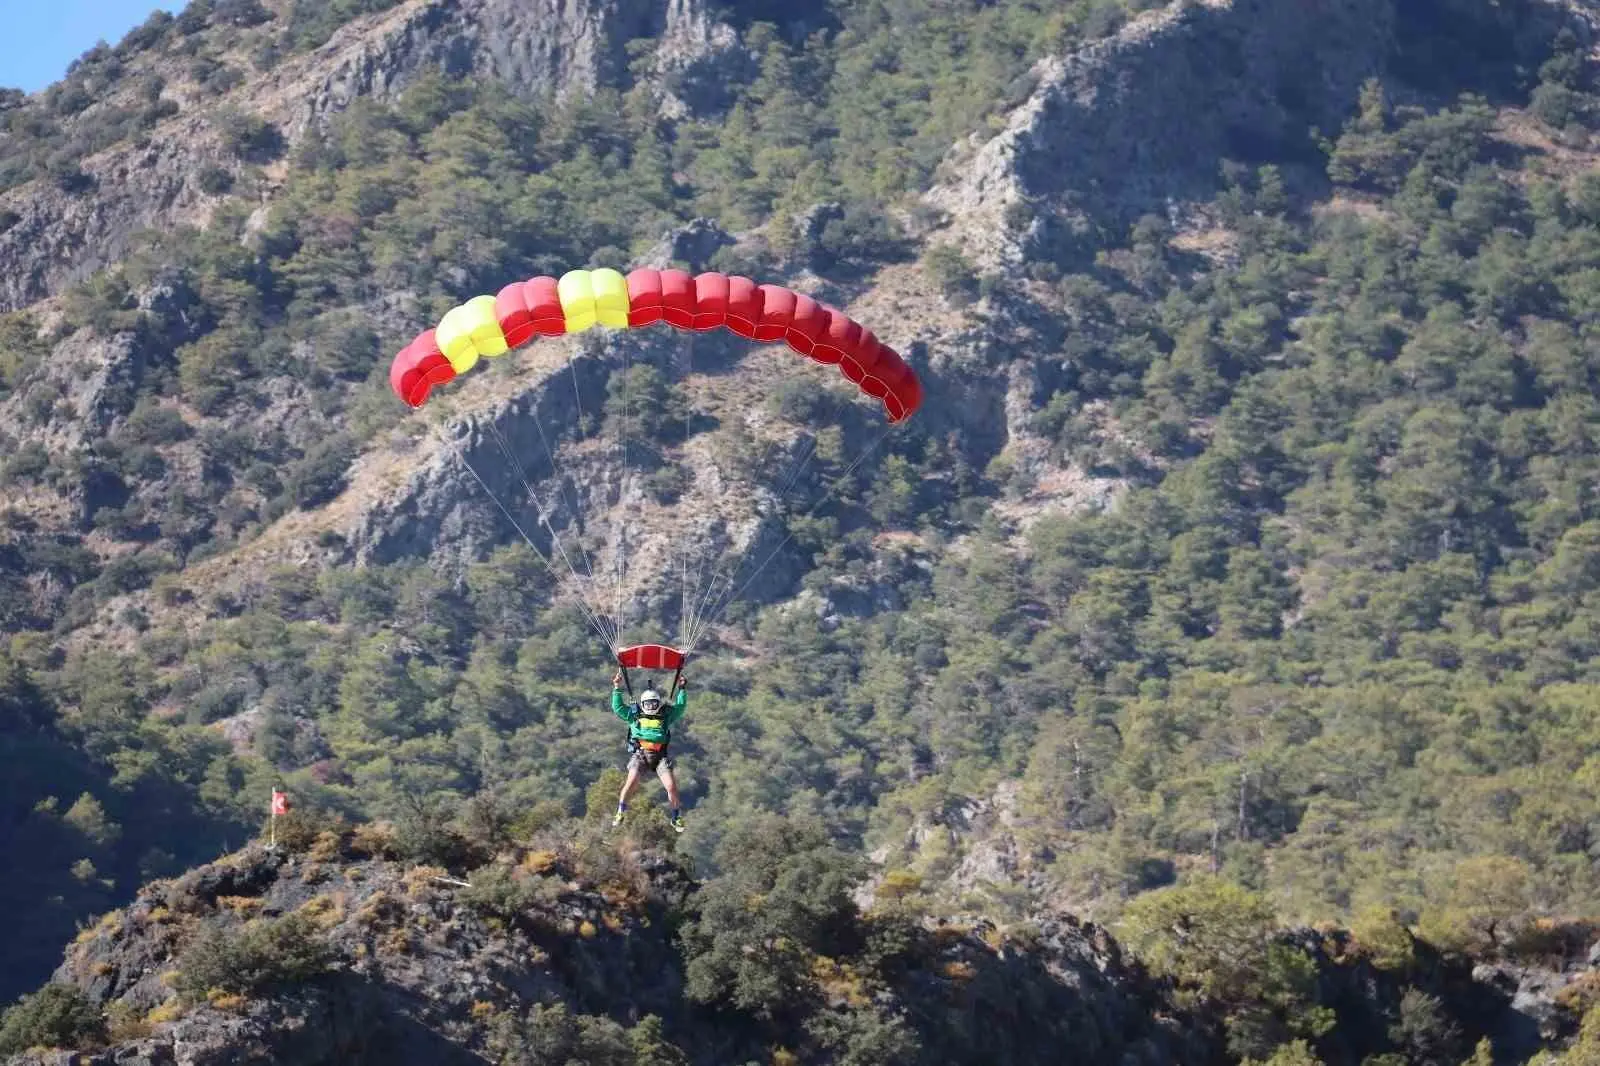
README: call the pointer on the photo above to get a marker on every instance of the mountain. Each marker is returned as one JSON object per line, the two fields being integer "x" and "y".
{"x": 1240, "y": 566}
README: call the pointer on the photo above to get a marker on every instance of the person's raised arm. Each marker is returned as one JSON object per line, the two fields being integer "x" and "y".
{"x": 618, "y": 706}
{"x": 679, "y": 702}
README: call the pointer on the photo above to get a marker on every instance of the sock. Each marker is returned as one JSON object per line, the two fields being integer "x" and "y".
{"x": 676, "y": 814}
{"x": 622, "y": 806}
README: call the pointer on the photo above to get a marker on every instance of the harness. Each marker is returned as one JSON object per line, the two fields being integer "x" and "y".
{"x": 655, "y": 724}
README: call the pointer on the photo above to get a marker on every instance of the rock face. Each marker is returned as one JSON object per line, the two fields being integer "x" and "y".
{"x": 558, "y": 46}
{"x": 1141, "y": 121}
{"x": 538, "y": 46}
{"x": 62, "y": 237}
{"x": 421, "y": 970}
{"x": 576, "y": 497}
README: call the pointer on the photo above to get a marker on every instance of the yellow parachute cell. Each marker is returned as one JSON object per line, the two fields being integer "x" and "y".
{"x": 593, "y": 297}
{"x": 610, "y": 297}
{"x": 469, "y": 331}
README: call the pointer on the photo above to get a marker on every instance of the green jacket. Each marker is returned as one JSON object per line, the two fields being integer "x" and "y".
{"x": 656, "y": 728}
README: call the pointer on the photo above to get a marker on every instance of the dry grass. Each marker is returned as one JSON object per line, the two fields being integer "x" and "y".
{"x": 326, "y": 910}
{"x": 243, "y": 906}
{"x": 170, "y": 1011}
{"x": 110, "y": 924}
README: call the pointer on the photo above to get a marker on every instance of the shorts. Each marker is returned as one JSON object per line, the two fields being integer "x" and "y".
{"x": 652, "y": 761}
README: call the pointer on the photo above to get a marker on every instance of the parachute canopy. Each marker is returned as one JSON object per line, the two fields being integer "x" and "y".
{"x": 650, "y": 657}
{"x": 487, "y": 326}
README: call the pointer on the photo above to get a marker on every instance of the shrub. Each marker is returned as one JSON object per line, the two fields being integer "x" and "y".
{"x": 68, "y": 176}
{"x": 150, "y": 423}
{"x": 215, "y": 180}
{"x": 298, "y": 830}
{"x": 374, "y": 840}
{"x": 55, "y": 1016}
{"x": 264, "y": 954}
{"x": 952, "y": 272}
{"x": 503, "y": 892}
{"x": 250, "y": 137}
{"x": 1380, "y": 936}
{"x": 320, "y": 476}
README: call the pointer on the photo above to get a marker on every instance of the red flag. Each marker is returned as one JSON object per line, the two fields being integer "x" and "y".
{"x": 280, "y": 802}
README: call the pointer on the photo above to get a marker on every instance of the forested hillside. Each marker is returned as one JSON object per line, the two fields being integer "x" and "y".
{"x": 1241, "y": 570}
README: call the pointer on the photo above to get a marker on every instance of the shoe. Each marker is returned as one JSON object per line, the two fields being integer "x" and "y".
{"x": 677, "y": 824}
{"x": 616, "y": 819}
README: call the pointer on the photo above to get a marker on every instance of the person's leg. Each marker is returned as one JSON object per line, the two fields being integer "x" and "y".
{"x": 670, "y": 783}
{"x": 628, "y": 786}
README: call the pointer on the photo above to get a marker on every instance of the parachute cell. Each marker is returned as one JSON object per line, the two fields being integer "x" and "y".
{"x": 777, "y": 311}
{"x": 487, "y": 326}
{"x": 418, "y": 368}
{"x": 644, "y": 297}
{"x": 839, "y": 341}
{"x": 810, "y": 319}
{"x": 744, "y": 306}
{"x": 511, "y": 310}
{"x": 710, "y": 302}
{"x": 677, "y": 298}
{"x": 470, "y": 331}
{"x": 594, "y": 298}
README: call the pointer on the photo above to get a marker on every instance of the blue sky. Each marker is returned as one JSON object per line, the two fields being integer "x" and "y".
{"x": 38, "y": 38}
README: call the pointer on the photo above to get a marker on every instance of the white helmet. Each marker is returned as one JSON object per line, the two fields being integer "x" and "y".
{"x": 650, "y": 696}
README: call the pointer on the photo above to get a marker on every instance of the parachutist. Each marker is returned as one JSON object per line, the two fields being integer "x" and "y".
{"x": 649, "y": 735}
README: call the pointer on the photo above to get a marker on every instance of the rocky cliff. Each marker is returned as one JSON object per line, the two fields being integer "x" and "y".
{"x": 1139, "y": 123}
{"x": 329, "y": 950}
{"x": 414, "y": 965}
{"x": 61, "y": 232}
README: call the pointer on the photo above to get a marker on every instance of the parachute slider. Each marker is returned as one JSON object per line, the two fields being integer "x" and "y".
{"x": 650, "y": 657}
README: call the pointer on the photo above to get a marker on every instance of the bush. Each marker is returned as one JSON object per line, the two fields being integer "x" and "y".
{"x": 147, "y": 34}
{"x": 250, "y": 137}
{"x": 424, "y": 834}
{"x": 152, "y": 424}
{"x": 56, "y": 1016}
{"x": 1383, "y": 939}
{"x": 320, "y": 476}
{"x": 242, "y": 13}
{"x": 215, "y": 180}
{"x": 69, "y": 177}
{"x": 805, "y": 886}
{"x": 952, "y": 272}
{"x": 27, "y": 464}
{"x": 264, "y": 954}
{"x": 505, "y": 893}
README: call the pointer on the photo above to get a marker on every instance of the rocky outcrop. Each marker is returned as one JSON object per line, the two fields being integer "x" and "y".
{"x": 694, "y": 243}
{"x": 698, "y": 61}
{"x": 545, "y": 45}
{"x": 58, "y": 237}
{"x": 1140, "y": 122}
{"x": 418, "y": 967}
{"x": 580, "y": 500}
{"x": 61, "y": 237}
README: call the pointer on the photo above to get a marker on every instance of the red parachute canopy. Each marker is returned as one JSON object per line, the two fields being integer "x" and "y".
{"x": 650, "y": 657}
{"x": 544, "y": 306}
